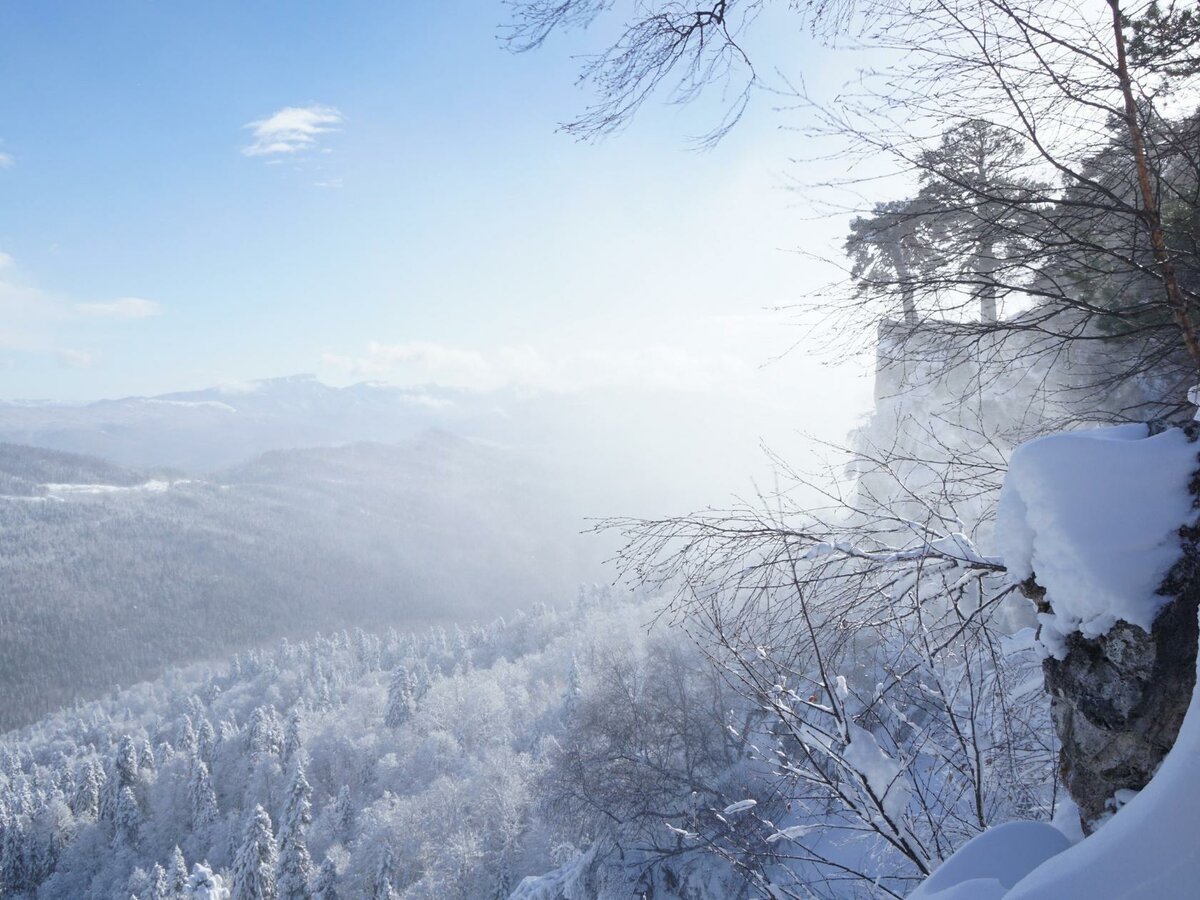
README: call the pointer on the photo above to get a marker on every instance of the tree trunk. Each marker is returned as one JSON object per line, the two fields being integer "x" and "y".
{"x": 1176, "y": 302}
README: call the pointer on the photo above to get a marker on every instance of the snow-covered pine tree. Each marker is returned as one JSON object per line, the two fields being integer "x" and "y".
{"x": 160, "y": 888}
{"x": 12, "y": 855}
{"x": 295, "y": 864}
{"x": 186, "y": 739}
{"x": 206, "y": 739}
{"x": 145, "y": 757}
{"x": 383, "y": 875}
{"x": 399, "y": 699}
{"x": 343, "y": 819}
{"x": 254, "y": 865}
{"x": 177, "y": 874}
{"x": 325, "y": 886}
{"x": 86, "y": 804}
{"x": 126, "y": 764}
{"x": 265, "y": 734}
{"x": 292, "y": 743}
{"x": 127, "y": 818}
{"x": 574, "y": 690}
{"x": 202, "y": 799}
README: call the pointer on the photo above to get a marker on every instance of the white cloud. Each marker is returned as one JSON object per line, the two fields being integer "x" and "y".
{"x": 124, "y": 308}
{"x": 655, "y": 365}
{"x": 436, "y": 362}
{"x": 37, "y": 322}
{"x": 76, "y": 359}
{"x": 291, "y": 129}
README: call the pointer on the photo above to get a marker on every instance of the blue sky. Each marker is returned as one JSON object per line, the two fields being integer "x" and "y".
{"x": 404, "y": 211}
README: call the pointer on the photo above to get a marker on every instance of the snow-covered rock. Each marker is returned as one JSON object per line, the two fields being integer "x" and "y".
{"x": 1094, "y": 516}
{"x": 1149, "y": 848}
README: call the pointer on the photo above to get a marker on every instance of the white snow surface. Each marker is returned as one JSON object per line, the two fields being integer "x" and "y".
{"x": 1149, "y": 849}
{"x": 989, "y": 865}
{"x": 1095, "y": 515}
{"x": 150, "y": 487}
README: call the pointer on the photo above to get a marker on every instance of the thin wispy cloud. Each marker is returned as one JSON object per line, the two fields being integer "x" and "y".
{"x": 76, "y": 359}
{"x": 35, "y": 322}
{"x": 291, "y": 130}
{"x": 123, "y": 308}
{"x": 656, "y": 365}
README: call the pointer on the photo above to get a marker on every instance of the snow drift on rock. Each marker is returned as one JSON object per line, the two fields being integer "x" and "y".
{"x": 1095, "y": 516}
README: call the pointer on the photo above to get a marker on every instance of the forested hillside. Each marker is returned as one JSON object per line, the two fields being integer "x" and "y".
{"x": 552, "y": 750}
{"x": 109, "y": 575}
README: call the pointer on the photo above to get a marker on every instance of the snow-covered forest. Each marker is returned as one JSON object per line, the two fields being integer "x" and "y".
{"x": 278, "y": 640}
{"x": 445, "y": 763}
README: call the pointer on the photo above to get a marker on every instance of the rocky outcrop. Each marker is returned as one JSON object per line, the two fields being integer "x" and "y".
{"x": 1118, "y": 700}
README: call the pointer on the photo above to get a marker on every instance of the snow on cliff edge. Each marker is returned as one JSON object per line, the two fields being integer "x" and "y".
{"x": 1149, "y": 850}
{"x": 1095, "y": 515}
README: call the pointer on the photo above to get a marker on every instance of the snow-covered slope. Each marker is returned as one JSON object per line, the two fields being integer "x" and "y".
{"x": 437, "y": 765}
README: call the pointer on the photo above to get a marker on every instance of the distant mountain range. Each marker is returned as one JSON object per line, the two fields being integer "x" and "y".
{"x": 209, "y": 429}
{"x": 622, "y": 450}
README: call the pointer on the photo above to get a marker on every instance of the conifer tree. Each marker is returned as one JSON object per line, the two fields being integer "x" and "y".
{"x": 109, "y": 789}
{"x": 254, "y": 865}
{"x": 145, "y": 757}
{"x": 186, "y": 740}
{"x": 383, "y": 876}
{"x": 265, "y": 733}
{"x": 86, "y": 803}
{"x": 126, "y": 763}
{"x": 160, "y": 888}
{"x": 343, "y": 812}
{"x": 292, "y": 743}
{"x": 201, "y": 797}
{"x": 12, "y": 856}
{"x": 295, "y": 864}
{"x": 399, "y": 700}
{"x": 206, "y": 739}
{"x": 127, "y": 818}
{"x": 325, "y": 887}
{"x": 177, "y": 874}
